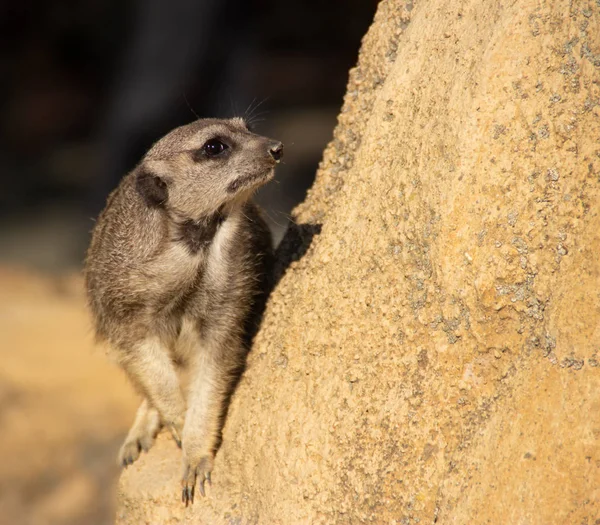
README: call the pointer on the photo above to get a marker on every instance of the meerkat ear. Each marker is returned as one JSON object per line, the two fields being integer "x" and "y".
{"x": 152, "y": 188}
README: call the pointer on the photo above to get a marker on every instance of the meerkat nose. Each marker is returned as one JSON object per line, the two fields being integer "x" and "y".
{"x": 276, "y": 150}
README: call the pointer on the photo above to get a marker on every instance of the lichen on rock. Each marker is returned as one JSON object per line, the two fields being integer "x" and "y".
{"x": 433, "y": 356}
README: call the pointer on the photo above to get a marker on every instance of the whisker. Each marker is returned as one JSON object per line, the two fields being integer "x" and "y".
{"x": 290, "y": 218}
{"x": 189, "y": 105}
{"x": 254, "y": 121}
{"x": 252, "y": 113}
{"x": 248, "y": 109}
{"x": 249, "y": 219}
{"x": 255, "y": 115}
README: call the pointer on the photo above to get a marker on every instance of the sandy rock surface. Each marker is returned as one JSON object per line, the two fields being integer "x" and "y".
{"x": 64, "y": 409}
{"x": 434, "y": 356}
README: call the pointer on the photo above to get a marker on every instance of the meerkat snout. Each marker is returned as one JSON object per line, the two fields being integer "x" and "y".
{"x": 276, "y": 151}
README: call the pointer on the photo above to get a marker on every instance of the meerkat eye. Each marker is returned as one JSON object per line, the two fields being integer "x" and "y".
{"x": 214, "y": 147}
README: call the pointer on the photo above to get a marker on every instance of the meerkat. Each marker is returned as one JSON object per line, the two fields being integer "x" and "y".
{"x": 178, "y": 258}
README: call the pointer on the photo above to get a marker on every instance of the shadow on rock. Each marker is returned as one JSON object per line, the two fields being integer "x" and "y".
{"x": 292, "y": 247}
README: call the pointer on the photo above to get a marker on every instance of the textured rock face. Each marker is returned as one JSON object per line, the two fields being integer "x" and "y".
{"x": 435, "y": 355}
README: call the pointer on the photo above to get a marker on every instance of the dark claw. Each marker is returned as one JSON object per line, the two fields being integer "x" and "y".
{"x": 196, "y": 477}
{"x": 187, "y": 495}
{"x": 178, "y": 441}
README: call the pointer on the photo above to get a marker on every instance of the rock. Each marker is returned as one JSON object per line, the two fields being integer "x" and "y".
{"x": 441, "y": 331}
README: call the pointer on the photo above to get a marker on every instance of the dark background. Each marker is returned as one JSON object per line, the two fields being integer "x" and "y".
{"x": 88, "y": 86}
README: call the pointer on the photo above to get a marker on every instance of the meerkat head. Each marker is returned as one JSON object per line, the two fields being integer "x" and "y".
{"x": 199, "y": 168}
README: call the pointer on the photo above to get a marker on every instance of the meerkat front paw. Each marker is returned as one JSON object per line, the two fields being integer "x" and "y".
{"x": 195, "y": 472}
{"x": 141, "y": 436}
{"x": 133, "y": 446}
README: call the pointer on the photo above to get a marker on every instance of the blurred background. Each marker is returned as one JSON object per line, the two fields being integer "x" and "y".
{"x": 86, "y": 88}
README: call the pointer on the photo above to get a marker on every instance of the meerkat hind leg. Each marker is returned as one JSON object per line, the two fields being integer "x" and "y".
{"x": 141, "y": 435}
{"x": 151, "y": 369}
